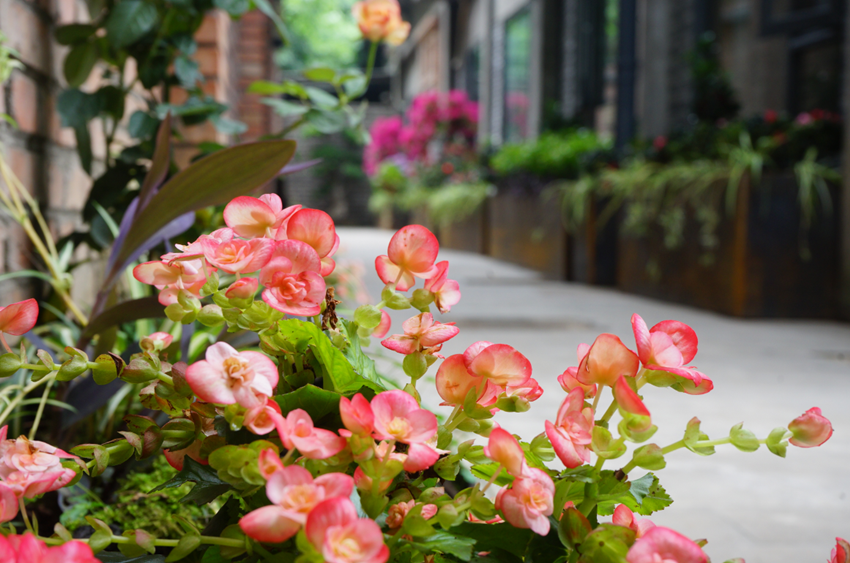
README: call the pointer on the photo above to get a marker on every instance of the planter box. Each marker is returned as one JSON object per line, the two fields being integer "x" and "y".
{"x": 527, "y": 230}
{"x": 593, "y": 249}
{"x": 757, "y": 269}
{"x": 470, "y": 235}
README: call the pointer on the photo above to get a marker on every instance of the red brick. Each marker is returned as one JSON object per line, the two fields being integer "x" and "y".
{"x": 23, "y": 164}
{"x": 27, "y": 33}
{"x": 66, "y": 12}
{"x": 24, "y": 103}
{"x": 207, "y": 58}
{"x": 208, "y": 32}
{"x": 199, "y": 133}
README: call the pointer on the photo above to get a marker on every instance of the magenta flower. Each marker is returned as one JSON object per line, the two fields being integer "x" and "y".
{"x": 446, "y": 292}
{"x": 293, "y": 279}
{"x": 341, "y": 537}
{"x": 668, "y": 346}
{"x": 665, "y": 546}
{"x": 297, "y": 432}
{"x": 529, "y": 501}
{"x": 421, "y": 333}
{"x": 27, "y": 548}
{"x": 294, "y": 494}
{"x": 269, "y": 463}
{"x": 226, "y": 376}
{"x": 623, "y": 516}
{"x": 841, "y": 552}
{"x": 412, "y": 252}
{"x": 260, "y": 419}
{"x": 571, "y": 434}
{"x": 397, "y": 416}
{"x": 252, "y": 217}
{"x": 810, "y": 429}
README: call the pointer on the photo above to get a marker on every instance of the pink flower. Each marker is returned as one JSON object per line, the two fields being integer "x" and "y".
{"x": 571, "y": 433}
{"x": 32, "y": 468}
{"x": 412, "y": 252}
{"x": 398, "y": 417}
{"x": 297, "y": 432}
{"x": 251, "y": 217}
{"x": 227, "y": 376}
{"x": 171, "y": 278}
{"x": 623, "y": 516}
{"x": 269, "y": 463}
{"x": 605, "y": 361}
{"x": 260, "y": 419}
{"x": 243, "y": 288}
{"x": 397, "y": 513}
{"x": 385, "y": 142}
{"x": 294, "y": 494}
{"x": 504, "y": 449}
{"x": 454, "y": 382}
{"x": 8, "y": 503}
{"x": 357, "y": 415}
{"x": 383, "y": 327}
{"x": 29, "y": 549}
{"x": 238, "y": 256}
{"x": 294, "y": 284}
{"x": 529, "y": 502}
{"x": 157, "y": 341}
{"x": 663, "y": 545}
{"x": 446, "y": 292}
{"x": 630, "y": 402}
{"x": 841, "y": 552}
{"x": 421, "y": 332}
{"x": 568, "y": 379}
{"x": 19, "y": 318}
{"x": 810, "y": 429}
{"x": 315, "y": 228}
{"x": 500, "y": 364}
{"x": 668, "y": 346}
{"x": 341, "y": 537}
{"x": 530, "y": 390}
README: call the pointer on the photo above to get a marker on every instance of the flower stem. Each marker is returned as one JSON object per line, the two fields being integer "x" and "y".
{"x": 492, "y": 479}
{"x": 6, "y": 344}
{"x": 20, "y": 397}
{"x": 370, "y": 64}
{"x": 41, "y": 405}
{"x": 24, "y": 514}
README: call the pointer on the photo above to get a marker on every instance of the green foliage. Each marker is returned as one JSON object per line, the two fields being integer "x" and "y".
{"x": 322, "y": 33}
{"x": 553, "y": 155}
{"x": 136, "y": 506}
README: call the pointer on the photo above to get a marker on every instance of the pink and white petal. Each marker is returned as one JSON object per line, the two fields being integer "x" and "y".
{"x": 627, "y": 399}
{"x": 623, "y": 516}
{"x": 501, "y": 364}
{"x": 664, "y": 351}
{"x": 314, "y": 227}
{"x": 473, "y": 350}
{"x": 438, "y": 333}
{"x": 218, "y": 352}
{"x": 328, "y": 266}
{"x": 414, "y": 248}
{"x": 335, "y": 484}
{"x": 300, "y": 254}
{"x": 209, "y": 383}
{"x": 336, "y": 511}
{"x": 19, "y": 318}
{"x": 322, "y": 444}
{"x": 249, "y": 217}
{"x": 641, "y": 339}
{"x": 157, "y": 273}
{"x": 663, "y": 544}
{"x": 564, "y": 447}
{"x": 289, "y": 476}
{"x": 383, "y": 327}
{"x": 262, "y": 365}
{"x": 273, "y": 201}
{"x": 420, "y": 457}
{"x": 448, "y": 296}
{"x": 401, "y": 344}
{"x": 388, "y": 271}
{"x": 504, "y": 449}
{"x": 424, "y": 426}
{"x": 683, "y": 337}
{"x": 269, "y": 524}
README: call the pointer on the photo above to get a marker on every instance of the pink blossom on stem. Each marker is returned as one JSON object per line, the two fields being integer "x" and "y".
{"x": 260, "y": 419}
{"x": 605, "y": 361}
{"x": 252, "y": 217}
{"x": 398, "y": 417}
{"x": 226, "y": 376}
{"x": 243, "y": 288}
{"x": 412, "y": 252}
{"x": 623, "y": 516}
{"x": 668, "y": 346}
{"x": 31, "y": 468}
{"x": 341, "y": 537}
{"x": 568, "y": 379}
{"x": 171, "y": 278}
{"x": 501, "y": 364}
{"x": 193, "y": 253}
{"x": 810, "y": 429}
{"x": 357, "y": 415}
{"x": 269, "y": 462}
{"x": 446, "y": 292}
{"x": 571, "y": 434}
{"x": 629, "y": 402}
{"x": 27, "y": 548}
{"x": 315, "y": 228}
{"x": 294, "y": 494}
{"x": 294, "y": 284}
{"x": 663, "y": 545}
{"x": 157, "y": 341}
{"x": 19, "y": 318}
{"x": 297, "y": 432}
{"x": 383, "y": 327}
{"x": 238, "y": 256}
{"x": 454, "y": 382}
{"x": 841, "y": 552}
{"x": 529, "y": 501}
{"x": 421, "y": 332}
{"x": 504, "y": 449}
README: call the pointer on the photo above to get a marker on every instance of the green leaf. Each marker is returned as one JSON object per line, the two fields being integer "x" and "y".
{"x": 142, "y": 125}
{"x": 185, "y": 546}
{"x": 648, "y": 496}
{"x": 79, "y": 63}
{"x": 128, "y": 311}
{"x": 327, "y": 121}
{"x": 74, "y": 33}
{"x": 186, "y": 71}
{"x": 207, "y": 484}
{"x": 267, "y": 88}
{"x": 450, "y": 544}
{"x": 496, "y": 536}
{"x": 228, "y": 126}
{"x": 129, "y": 20}
{"x": 213, "y": 180}
{"x": 114, "y": 557}
{"x": 284, "y": 108}
{"x": 742, "y": 439}
{"x": 322, "y": 99}
{"x": 320, "y": 74}
{"x": 610, "y": 492}
{"x": 271, "y": 12}
{"x": 485, "y": 471}
{"x": 363, "y": 365}
{"x": 159, "y": 164}
{"x": 233, "y": 7}
{"x": 607, "y": 544}
{"x": 316, "y": 401}
{"x": 76, "y": 108}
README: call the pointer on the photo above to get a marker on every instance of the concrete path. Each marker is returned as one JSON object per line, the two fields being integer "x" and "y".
{"x": 751, "y": 505}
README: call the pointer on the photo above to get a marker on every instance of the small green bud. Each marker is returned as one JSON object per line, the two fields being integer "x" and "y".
{"x": 421, "y": 299}
{"x": 415, "y": 365}
{"x": 9, "y": 364}
{"x": 189, "y": 302}
{"x": 573, "y": 527}
{"x": 73, "y": 367}
{"x": 175, "y": 312}
{"x": 367, "y": 316}
{"x": 211, "y": 286}
{"x": 139, "y": 370}
{"x": 211, "y": 315}
{"x": 649, "y": 457}
{"x": 394, "y": 299}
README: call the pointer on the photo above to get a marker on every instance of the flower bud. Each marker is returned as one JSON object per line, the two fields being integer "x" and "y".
{"x": 157, "y": 341}
{"x": 421, "y": 299}
{"x": 211, "y": 286}
{"x": 106, "y": 368}
{"x": 210, "y": 315}
{"x": 367, "y": 316}
{"x": 394, "y": 299}
{"x": 415, "y": 365}
{"x": 810, "y": 429}
{"x": 139, "y": 370}
{"x": 9, "y": 364}
{"x": 72, "y": 368}
{"x": 574, "y": 527}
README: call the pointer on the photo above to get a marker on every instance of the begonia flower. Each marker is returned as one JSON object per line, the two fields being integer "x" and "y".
{"x": 294, "y": 493}
{"x": 297, "y": 432}
{"x": 156, "y": 341}
{"x": 530, "y": 390}
{"x": 294, "y": 284}
{"x": 193, "y": 253}
{"x": 260, "y": 419}
{"x": 810, "y": 429}
{"x": 397, "y": 416}
{"x": 397, "y": 513}
{"x": 412, "y": 252}
{"x": 31, "y": 468}
{"x": 27, "y": 548}
{"x": 841, "y": 552}
{"x": 252, "y": 217}
{"x": 170, "y": 279}
{"x": 605, "y": 361}
{"x": 669, "y": 346}
{"x": 19, "y": 318}
{"x": 315, "y": 228}
{"x": 357, "y": 415}
{"x": 529, "y": 501}
{"x": 383, "y": 327}
{"x": 243, "y": 288}
{"x": 501, "y": 364}
{"x": 623, "y": 516}
{"x": 664, "y": 545}
{"x": 629, "y": 402}
{"x": 570, "y": 435}
{"x": 454, "y": 382}
{"x": 269, "y": 462}
{"x": 380, "y": 20}
{"x": 226, "y": 376}
{"x": 504, "y": 449}
{"x": 568, "y": 380}
{"x": 8, "y": 503}
{"x": 341, "y": 537}
{"x": 446, "y": 292}
{"x": 421, "y": 332}
{"x": 238, "y": 256}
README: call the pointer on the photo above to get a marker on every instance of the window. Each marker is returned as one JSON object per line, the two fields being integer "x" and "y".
{"x": 517, "y": 76}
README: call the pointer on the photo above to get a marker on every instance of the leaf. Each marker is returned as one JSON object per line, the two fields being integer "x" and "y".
{"x": 607, "y": 544}
{"x": 363, "y": 365}
{"x": 610, "y": 492}
{"x": 207, "y": 484}
{"x": 77, "y": 108}
{"x": 233, "y": 7}
{"x": 320, "y": 74}
{"x": 79, "y": 63}
{"x": 212, "y": 180}
{"x": 316, "y": 401}
{"x": 321, "y": 98}
{"x": 284, "y": 108}
{"x": 159, "y": 165}
{"x": 74, "y": 33}
{"x": 228, "y": 126}
{"x": 501, "y": 536}
{"x": 114, "y": 557}
{"x": 266, "y": 88}
{"x": 271, "y": 12}
{"x": 450, "y": 544}
{"x": 129, "y": 20}
{"x": 186, "y": 71}
{"x": 128, "y": 311}
{"x": 647, "y": 496}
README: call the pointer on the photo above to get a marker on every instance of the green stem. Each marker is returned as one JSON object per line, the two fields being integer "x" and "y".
{"x": 457, "y": 419}
{"x": 165, "y": 378}
{"x": 610, "y": 412}
{"x": 492, "y": 479}
{"x": 24, "y": 514}
{"x": 41, "y": 404}
{"x": 209, "y": 540}
{"x": 370, "y": 64}
{"x": 20, "y": 397}
{"x": 6, "y": 344}
{"x": 596, "y": 398}
{"x": 673, "y": 447}
{"x": 40, "y": 367}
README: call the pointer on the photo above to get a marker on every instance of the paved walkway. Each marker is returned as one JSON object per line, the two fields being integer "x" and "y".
{"x": 751, "y": 505}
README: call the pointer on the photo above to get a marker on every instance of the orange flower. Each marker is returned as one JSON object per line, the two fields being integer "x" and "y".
{"x": 380, "y": 20}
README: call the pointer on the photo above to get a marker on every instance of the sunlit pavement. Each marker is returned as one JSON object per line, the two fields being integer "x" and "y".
{"x": 751, "y": 505}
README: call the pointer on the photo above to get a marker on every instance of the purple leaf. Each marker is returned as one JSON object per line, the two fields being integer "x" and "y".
{"x": 298, "y": 167}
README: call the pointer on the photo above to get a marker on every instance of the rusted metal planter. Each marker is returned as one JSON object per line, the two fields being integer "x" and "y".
{"x": 471, "y": 234}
